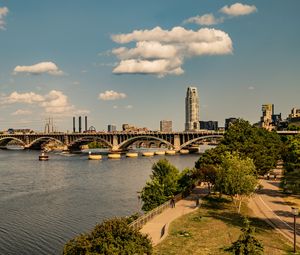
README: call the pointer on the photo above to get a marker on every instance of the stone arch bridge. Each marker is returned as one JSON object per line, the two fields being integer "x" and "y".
{"x": 115, "y": 141}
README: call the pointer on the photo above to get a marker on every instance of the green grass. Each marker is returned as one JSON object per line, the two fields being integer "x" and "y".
{"x": 215, "y": 226}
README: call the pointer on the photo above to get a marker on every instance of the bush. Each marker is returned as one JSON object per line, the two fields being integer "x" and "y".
{"x": 113, "y": 236}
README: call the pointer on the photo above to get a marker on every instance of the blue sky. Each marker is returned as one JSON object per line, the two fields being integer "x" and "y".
{"x": 76, "y": 57}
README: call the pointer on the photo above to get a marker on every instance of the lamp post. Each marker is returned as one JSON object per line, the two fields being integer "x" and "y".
{"x": 295, "y": 212}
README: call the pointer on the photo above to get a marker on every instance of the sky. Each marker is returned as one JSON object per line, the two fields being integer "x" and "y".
{"x": 131, "y": 61}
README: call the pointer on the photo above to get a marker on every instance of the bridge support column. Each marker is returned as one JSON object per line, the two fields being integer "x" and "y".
{"x": 177, "y": 143}
{"x": 115, "y": 143}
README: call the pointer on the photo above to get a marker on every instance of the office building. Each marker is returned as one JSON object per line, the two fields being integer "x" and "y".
{"x": 111, "y": 128}
{"x": 209, "y": 125}
{"x": 266, "y": 118}
{"x": 166, "y": 126}
{"x": 229, "y": 122}
{"x": 192, "y": 110}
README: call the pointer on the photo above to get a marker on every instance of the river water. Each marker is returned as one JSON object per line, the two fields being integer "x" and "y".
{"x": 44, "y": 204}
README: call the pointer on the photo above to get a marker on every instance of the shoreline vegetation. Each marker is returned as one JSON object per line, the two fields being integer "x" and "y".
{"x": 232, "y": 170}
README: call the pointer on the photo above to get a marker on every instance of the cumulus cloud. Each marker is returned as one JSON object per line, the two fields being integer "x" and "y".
{"x": 3, "y": 13}
{"x": 39, "y": 68}
{"x": 28, "y": 98}
{"x": 111, "y": 95}
{"x": 128, "y": 106}
{"x": 206, "y": 20}
{"x": 55, "y": 102}
{"x": 21, "y": 112}
{"x": 238, "y": 9}
{"x": 158, "y": 51}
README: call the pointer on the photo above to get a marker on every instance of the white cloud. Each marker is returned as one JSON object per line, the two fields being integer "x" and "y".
{"x": 28, "y": 98}
{"x": 238, "y": 9}
{"x": 3, "y": 12}
{"x": 206, "y": 20}
{"x": 163, "y": 52}
{"x": 55, "y": 102}
{"x": 21, "y": 112}
{"x": 115, "y": 107}
{"x": 128, "y": 106}
{"x": 251, "y": 88}
{"x": 111, "y": 95}
{"x": 39, "y": 68}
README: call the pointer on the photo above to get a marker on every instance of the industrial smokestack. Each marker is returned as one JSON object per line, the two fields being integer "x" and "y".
{"x": 79, "y": 123}
{"x": 74, "y": 128}
{"x": 85, "y": 123}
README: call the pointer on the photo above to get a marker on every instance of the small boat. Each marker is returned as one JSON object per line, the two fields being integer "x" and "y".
{"x": 43, "y": 156}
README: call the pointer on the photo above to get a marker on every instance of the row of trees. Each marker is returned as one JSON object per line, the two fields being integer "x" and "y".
{"x": 291, "y": 157}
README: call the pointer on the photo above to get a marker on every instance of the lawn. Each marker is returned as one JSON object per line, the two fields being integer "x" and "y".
{"x": 215, "y": 226}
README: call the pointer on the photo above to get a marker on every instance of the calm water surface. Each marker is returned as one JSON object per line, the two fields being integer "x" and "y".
{"x": 44, "y": 204}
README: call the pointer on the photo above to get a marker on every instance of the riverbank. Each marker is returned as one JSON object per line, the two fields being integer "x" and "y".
{"x": 213, "y": 227}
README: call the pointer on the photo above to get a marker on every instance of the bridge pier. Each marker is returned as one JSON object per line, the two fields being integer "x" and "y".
{"x": 176, "y": 142}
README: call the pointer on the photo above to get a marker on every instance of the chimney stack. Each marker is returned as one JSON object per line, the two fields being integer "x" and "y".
{"x": 74, "y": 128}
{"x": 85, "y": 123}
{"x": 79, "y": 123}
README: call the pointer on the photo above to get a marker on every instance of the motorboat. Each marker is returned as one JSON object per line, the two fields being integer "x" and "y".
{"x": 43, "y": 156}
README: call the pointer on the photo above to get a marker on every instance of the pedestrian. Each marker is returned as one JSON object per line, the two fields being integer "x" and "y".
{"x": 197, "y": 201}
{"x": 275, "y": 177}
{"x": 172, "y": 202}
{"x": 268, "y": 176}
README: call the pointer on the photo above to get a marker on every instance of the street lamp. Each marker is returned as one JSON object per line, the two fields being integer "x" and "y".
{"x": 295, "y": 212}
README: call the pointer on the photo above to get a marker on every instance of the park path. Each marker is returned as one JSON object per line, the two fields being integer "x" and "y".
{"x": 157, "y": 228}
{"x": 268, "y": 204}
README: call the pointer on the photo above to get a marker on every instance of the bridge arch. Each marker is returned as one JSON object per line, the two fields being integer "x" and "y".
{"x": 88, "y": 139}
{"x": 199, "y": 138}
{"x": 130, "y": 141}
{"x": 5, "y": 140}
{"x": 45, "y": 139}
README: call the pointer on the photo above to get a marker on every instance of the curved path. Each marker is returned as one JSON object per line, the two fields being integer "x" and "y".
{"x": 268, "y": 204}
{"x": 157, "y": 228}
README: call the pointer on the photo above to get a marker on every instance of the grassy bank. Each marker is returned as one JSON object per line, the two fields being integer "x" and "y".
{"x": 215, "y": 226}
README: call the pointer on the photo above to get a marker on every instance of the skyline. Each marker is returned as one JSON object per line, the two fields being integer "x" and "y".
{"x": 89, "y": 61}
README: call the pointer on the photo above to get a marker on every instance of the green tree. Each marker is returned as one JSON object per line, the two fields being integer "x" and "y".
{"x": 236, "y": 177}
{"x": 247, "y": 244}
{"x": 113, "y": 236}
{"x": 163, "y": 184}
{"x": 263, "y": 146}
{"x": 291, "y": 156}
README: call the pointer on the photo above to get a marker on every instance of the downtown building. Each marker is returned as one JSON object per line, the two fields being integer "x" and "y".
{"x": 192, "y": 110}
{"x": 165, "y": 126}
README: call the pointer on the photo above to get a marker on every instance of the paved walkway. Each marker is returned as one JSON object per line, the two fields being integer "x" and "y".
{"x": 268, "y": 204}
{"x": 157, "y": 228}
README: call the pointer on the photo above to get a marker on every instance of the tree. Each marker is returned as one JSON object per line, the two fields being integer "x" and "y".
{"x": 263, "y": 146}
{"x": 236, "y": 177}
{"x": 291, "y": 156}
{"x": 247, "y": 244}
{"x": 163, "y": 184}
{"x": 113, "y": 236}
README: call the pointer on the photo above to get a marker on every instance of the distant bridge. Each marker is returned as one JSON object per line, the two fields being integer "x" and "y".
{"x": 115, "y": 141}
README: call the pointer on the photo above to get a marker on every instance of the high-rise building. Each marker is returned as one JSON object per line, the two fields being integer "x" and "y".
{"x": 192, "y": 109}
{"x": 166, "y": 126}
{"x": 266, "y": 118}
{"x": 111, "y": 128}
{"x": 229, "y": 122}
{"x": 209, "y": 125}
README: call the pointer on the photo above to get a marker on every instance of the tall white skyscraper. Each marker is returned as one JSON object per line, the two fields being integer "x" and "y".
{"x": 192, "y": 110}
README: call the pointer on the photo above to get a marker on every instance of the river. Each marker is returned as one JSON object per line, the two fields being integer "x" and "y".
{"x": 44, "y": 204}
